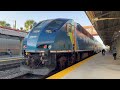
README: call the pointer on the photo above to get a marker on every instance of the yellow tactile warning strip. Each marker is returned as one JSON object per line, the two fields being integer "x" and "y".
{"x": 68, "y": 70}
{"x": 11, "y": 59}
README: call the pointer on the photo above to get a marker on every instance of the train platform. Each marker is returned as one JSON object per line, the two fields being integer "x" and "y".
{"x": 7, "y": 58}
{"x": 94, "y": 67}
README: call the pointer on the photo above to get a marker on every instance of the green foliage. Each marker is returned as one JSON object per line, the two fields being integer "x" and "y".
{"x": 8, "y": 25}
{"x": 4, "y": 24}
{"x": 21, "y": 28}
{"x": 29, "y": 24}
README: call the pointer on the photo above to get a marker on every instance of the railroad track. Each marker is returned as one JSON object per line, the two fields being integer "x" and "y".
{"x": 11, "y": 73}
{"x": 10, "y": 64}
{"x": 10, "y": 69}
{"x": 29, "y": 76}
{"x": 32, "y": 76}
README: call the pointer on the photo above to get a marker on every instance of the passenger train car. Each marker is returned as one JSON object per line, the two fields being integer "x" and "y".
{"x": 10, "y": 39}
{"x": 57, "y": 44}
{"x": 7, "y": 42}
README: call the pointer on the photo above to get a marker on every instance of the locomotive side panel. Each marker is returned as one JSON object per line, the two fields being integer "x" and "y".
{"x": 62, "y": 42}
{"x": 84, "y": 42}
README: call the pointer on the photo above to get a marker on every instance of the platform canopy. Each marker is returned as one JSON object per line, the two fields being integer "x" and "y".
{"x": 12, "y": 32}
{"x": 106, "y": 23}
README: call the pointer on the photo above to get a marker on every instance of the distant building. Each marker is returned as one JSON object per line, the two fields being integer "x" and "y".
{"x": 91, "y": 30}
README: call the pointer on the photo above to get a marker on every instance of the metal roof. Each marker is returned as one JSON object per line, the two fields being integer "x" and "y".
{"x": 12, "y": 32}
{"x": 106, "y": 23}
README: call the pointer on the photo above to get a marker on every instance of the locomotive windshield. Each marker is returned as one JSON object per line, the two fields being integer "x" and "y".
{"x": 41, "y": 24}
{"x": 38, "y": 27}
{"x": 56, "y": 24}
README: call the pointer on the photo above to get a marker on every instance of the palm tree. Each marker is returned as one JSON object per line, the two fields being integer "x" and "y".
{"x": 4, "y": 24}
{"x": 29, "y": 24}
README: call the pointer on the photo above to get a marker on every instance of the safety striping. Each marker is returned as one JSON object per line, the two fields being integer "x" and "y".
{"x": 11, "y": 59}
{"x": 62, "y": 73}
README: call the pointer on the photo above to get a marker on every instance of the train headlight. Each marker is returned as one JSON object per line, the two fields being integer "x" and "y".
{"x": 45, "y": 46}
{"x": 24, "y": 46}
{"x": 49, "y": 46}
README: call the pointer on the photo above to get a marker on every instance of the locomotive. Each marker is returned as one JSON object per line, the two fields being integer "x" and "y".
{"x": 56, "y": 44}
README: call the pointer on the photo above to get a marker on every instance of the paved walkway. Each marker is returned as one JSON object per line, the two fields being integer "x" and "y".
{"x": 98, "y": 67}
{"x": 95, "y": 67}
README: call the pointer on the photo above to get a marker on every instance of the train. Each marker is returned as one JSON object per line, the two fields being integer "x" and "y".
{"x": 56, "y": 44}
{"x": 8, "y": 42}
{"x": 10, "y": 39}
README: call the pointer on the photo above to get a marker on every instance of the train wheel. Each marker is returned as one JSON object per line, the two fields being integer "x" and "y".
{"x": 78, "y": 57}
{"x": 72, "y": 60}
{"x": 62, "y": 61}
{"x": 32, "y": 62}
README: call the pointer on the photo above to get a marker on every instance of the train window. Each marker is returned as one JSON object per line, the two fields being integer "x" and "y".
{"x": 79, "y": 27}
{"x": 56, "y": 24}
{"x": 41, "y": 24}
{"x": 48, "y": 31}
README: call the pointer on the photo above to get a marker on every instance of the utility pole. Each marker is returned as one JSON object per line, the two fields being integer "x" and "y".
{"x": 14, "y": 26}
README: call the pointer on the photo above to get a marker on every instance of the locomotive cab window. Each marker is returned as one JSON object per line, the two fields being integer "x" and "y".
{"x": 56, "y": 24}
{"x": 38, "y": 27}
{"x": 41, "y": 24}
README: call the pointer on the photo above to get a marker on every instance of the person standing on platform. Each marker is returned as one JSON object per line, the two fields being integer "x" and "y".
{"x": 10, "y": 53}
{"x": 114, "y": 53}
{"x": 103, "y": 52}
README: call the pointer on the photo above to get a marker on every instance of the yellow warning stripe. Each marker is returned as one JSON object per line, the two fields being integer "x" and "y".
{"x": 68, "y": 70}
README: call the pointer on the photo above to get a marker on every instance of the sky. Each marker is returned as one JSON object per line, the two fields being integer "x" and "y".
{"x": 21, "y": 16}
